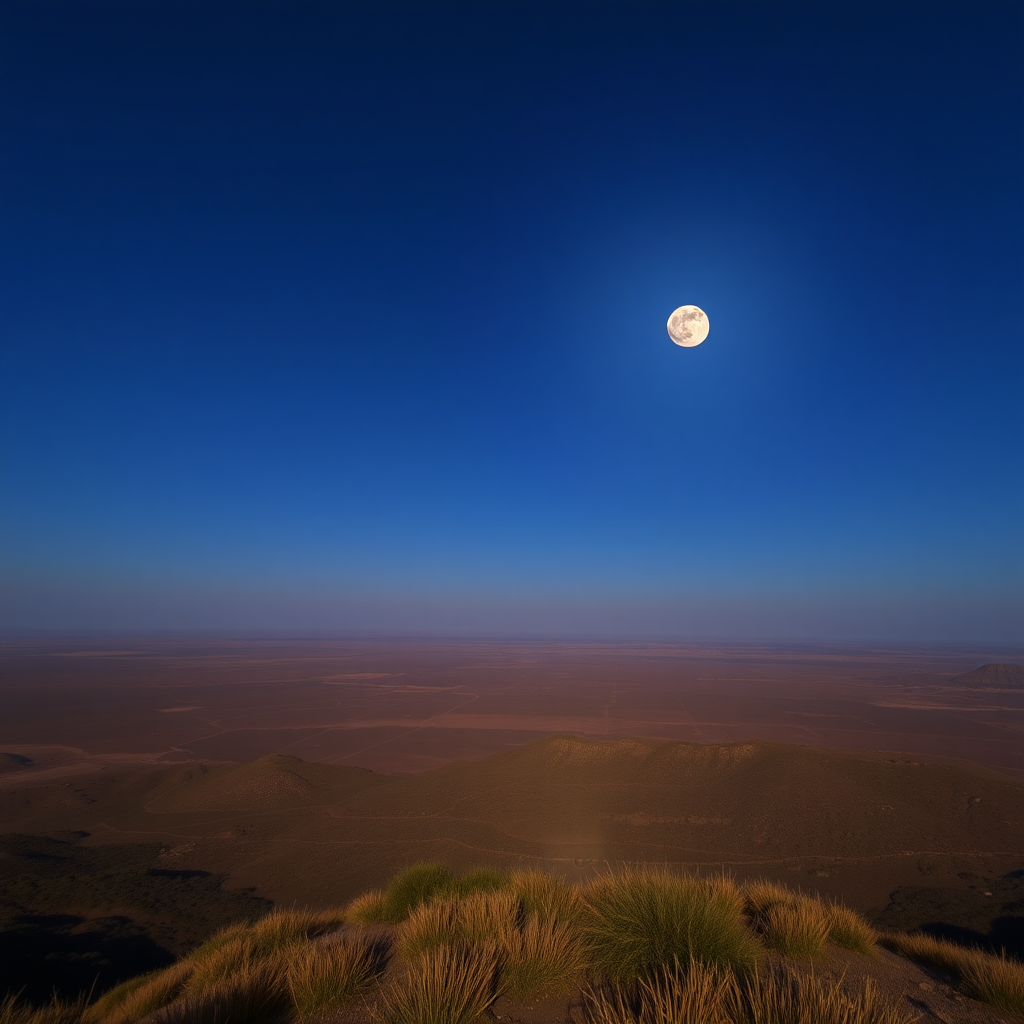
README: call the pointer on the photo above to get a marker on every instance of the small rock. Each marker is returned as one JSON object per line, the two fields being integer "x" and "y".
{"x": 926, "y": 986}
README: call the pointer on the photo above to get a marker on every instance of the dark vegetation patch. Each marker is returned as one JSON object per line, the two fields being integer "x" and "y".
{"x": 75, "y": 918}
{"x": 988, "y": 913}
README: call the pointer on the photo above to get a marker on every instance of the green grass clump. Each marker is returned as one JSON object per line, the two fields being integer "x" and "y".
{"x": 446, "y": 985}
{"x": 480, "y": 880}
{"x": 996, "y": 980}
{"x": 325, "y": 975}
{"x": 640, "y": 922}
{"x": 412, "y": 888}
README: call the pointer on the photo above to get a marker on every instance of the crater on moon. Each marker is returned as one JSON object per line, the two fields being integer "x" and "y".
{"x": 688, "y": 326}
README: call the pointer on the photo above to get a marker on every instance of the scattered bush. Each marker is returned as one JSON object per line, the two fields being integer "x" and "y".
{"x": 997, "y": 980}
{"x": 640, "y": 922}
{"x": 446, "y": 985}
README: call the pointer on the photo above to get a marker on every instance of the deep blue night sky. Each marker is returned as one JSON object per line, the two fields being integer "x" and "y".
{"x": 342, "y": 316}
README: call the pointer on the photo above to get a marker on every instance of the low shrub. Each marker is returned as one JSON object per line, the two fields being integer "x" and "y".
{"x": 446, "y": 985}
{"x": 997, "y": 980}
{"x": 640, "y": 922}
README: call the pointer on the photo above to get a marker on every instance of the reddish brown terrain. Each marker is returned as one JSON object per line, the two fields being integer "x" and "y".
{"x": 401, "y": 706}
{"x": 152, "y": 790}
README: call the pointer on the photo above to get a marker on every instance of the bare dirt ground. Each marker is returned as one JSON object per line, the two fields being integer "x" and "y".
{"x": 401, "y": 706}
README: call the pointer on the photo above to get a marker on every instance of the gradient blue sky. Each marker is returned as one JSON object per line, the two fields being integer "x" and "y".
{"x": 342, "y": 316}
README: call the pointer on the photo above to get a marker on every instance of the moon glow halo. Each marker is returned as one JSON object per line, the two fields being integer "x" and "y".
{"x": 688, "y": 326}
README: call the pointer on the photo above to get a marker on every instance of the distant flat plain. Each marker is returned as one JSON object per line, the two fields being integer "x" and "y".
{"x": 404, "y": 706}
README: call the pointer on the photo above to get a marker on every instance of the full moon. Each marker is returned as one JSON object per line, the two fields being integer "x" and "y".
{"x": 688, "y": 326}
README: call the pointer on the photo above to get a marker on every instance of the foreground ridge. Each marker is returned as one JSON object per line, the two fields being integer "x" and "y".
{"x": 637, "y": 946}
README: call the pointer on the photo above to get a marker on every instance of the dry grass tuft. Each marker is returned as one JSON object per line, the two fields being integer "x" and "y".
{"x": 699, "y": 995}
{"x": 799, "y": 925}
{"x": 797, "y": 928}
{"x": 997, "y": 980}
{"x": 848, "y": 929}
{"x": 12, "y": 1011}
{"x": 546, "y": 957}
{"x": 282, "y": 927}
{"x": 324, "y": 975}
{"x": 139, "y": 997}
{"x": 366, "y": 909}
{"x": 446, "y": 985}
{"x": 256, "y": 993}
{"x": 709, "y": 995}
{"x": 488, "y": 917}
{"x": 547, "y": 896}
{"x": 640, "y": 922}
{"x": 781, "y": 997}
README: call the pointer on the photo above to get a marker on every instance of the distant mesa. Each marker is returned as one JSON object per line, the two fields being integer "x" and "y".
{"x": 996, "y": 677}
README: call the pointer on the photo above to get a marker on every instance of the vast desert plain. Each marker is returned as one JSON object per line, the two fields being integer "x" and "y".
{"x": 211, "y": 777}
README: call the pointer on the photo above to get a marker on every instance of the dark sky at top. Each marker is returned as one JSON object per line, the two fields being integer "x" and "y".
{"x": 339, "y": 315}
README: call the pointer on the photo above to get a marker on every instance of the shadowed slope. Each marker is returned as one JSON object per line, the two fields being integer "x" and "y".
{"x": 274, "y": 782}
{"x": 561, "y": 802}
